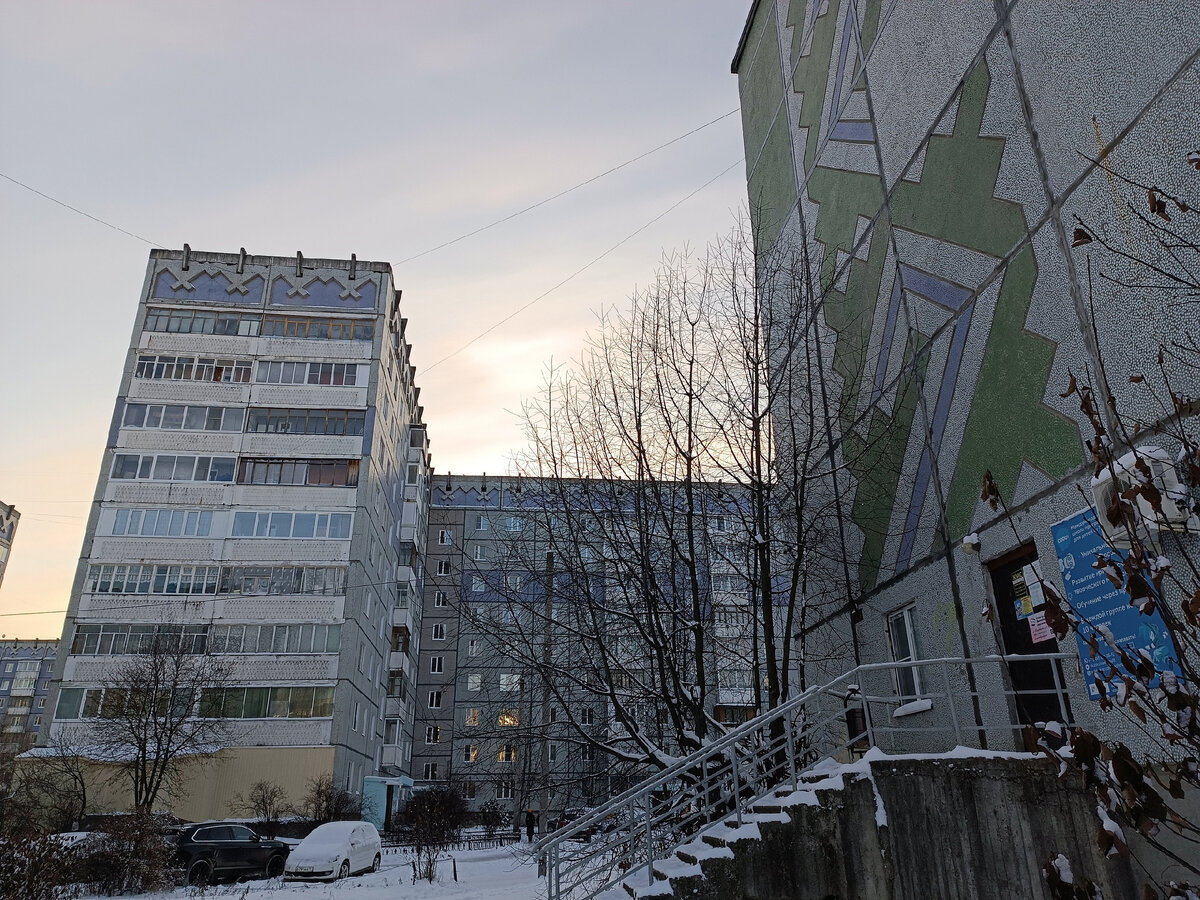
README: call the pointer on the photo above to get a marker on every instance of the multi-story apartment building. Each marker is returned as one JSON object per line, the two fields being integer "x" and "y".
{"x": 8, "y": 530}
{"x": 511, "y": 703}
{"x": 25, "y": 670}
{"x": 261, "y": 497}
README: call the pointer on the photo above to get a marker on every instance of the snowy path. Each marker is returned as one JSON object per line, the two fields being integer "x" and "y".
{"x": 507, "y": 873}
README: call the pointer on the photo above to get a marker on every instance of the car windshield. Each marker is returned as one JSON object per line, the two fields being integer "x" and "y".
{"x": 330, "y": 833}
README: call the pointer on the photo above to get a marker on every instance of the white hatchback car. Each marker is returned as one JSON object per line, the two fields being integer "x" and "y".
{"x": 335, "y": 850}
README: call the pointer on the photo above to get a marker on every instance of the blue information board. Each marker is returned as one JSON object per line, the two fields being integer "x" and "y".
{"x": 1078, "y": 541}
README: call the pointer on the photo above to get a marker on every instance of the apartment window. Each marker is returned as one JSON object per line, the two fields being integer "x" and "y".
{"x": 445, "y": 537}
{"x": 470, "y": 753}
{"x": 294, "y": 638}
{"x": 173, "y": 417}
{"x": 266, "y": 703}
{"x": 480, "y": 552}
{"x": 509, "y": 682}
{"x": 508, "y": 718}
{"x": 728, "y": 583}
{"x": 176, "y": 321}
{"x": 477, "y": 583}
{"x": 430, "y": 771}
{"x": 311, "y": 472}
{"x": 260, "y": 580}
{"x": 469, "y": 790}
{"x": 587, "y": 716}
{"x": 471, "y": 718}
{"x": 433, "y": 734}
{"x": 439, "y": 598}
{"x": 587, "y": 753}
{"x": 473, "y": 647}
{"x": 553, "y": 713}
{"x": 162, "y": 522}
{"x": 514, "y": 523}
{"x": 900, "y": 631}
{"x": 586, "y": 554}
{"x": 437, "y": 665}
{"x": 437, "y": 631}
{"x": 474, "y": 682}
{"x": 187, "y": 368}
{"x": 507, "y": 753}
{"x": 119, "y": 639}
{"x": 139, "y": 579}
{"x": 504, "y": 790}
{"x": 553, "y": 751}
{"x": 282, "y": 372}
{"x": 318, "y": 328}
{"x": 435, "y": 699}
{"x": 165, "y": 467}
{"x": 719, "y": 523}
{"x": 300, "y": 525}
{"x": 443, "y": 567}
{"x": 481, "y": 523}
{"x": 263, "y": 420}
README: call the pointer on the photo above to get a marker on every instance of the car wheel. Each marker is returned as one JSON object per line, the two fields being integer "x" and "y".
{"x": 375, "y": 863}
{"x": 344, "y": 871}
{"x": 199, "y": 872}
{"x": 275, "y": 866}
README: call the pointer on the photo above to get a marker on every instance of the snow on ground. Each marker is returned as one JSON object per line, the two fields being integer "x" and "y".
{"x": 507, "y": 873}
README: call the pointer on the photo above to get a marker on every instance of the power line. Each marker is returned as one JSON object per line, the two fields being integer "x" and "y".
{"x": 581, "y": 269}
{"x": 75, "y": 209}
{"x": 563, "y": 193}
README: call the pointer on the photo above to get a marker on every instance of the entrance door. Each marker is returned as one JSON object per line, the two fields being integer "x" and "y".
{"x": 1020, "y": 607}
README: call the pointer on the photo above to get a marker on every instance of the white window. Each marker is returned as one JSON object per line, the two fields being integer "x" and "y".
{"x": 474, "y": 682}
{"x": 473, "y": 647}
{"x": 514, "y": 523}
{"x": 481, "y": 523}
{"x": 430, "y": 771}
{"x": 433, "y": 734}
{"x": 900, "y": 631}
{"x": 507, "y": 753}
{"x": 445, "y": 537}
{"x": 435, "y": 699}
{"x": 513, "y": 582}
{"x": 439, "y": 598}
{"x": 437, "y": 631}
{"x": 470, "y": 753}
{"x": 510, "y": 682}
{"x": 480, "y": 552}
{"x": 504, "y": 790}
{"x": 477, "y": 584}
{"x": 472, "y": 717}
{"x": 437, "y": 665}
{"x": 443, "y": 567}
{"x": 586, "y": 716}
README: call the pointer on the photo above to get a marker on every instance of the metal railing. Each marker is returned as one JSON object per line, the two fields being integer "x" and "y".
{"x": 865, "y": 707}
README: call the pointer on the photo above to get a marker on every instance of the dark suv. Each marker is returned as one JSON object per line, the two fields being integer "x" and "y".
{"x": 214, "y": 850}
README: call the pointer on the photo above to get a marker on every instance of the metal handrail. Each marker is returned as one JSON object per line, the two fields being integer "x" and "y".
{"x": 625, "y": 837}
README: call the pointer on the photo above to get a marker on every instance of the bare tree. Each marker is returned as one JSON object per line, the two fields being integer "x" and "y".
{"x": 268, "y": 802}
{"x": 51, "y": 789}
{"x": 433, "y": 818}
{"x": 149, "y": 727}
{"x": 324, "y": 801}
{"x": 679, "y": 520}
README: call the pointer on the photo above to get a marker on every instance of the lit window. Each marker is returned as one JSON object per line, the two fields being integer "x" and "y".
{"x": 470, "y": 753}
{"x": 472, "y": 717}
{"x": 508, "y": 718}
{"x": 508, "y": 753}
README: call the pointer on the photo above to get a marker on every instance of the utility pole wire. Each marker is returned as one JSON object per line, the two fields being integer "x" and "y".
{"x": 75, "y": 209}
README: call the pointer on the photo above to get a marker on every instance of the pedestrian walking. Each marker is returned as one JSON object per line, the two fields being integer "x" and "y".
{"x": 530, "y": 822}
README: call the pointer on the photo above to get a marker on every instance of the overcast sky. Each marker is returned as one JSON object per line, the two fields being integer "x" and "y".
{"x": 382, "y": 129}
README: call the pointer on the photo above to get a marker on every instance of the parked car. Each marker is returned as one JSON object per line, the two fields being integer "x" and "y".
{"x": 210, "y": 851}
{"x": 336, "y": 850}
{"x": 573, "y": 814}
